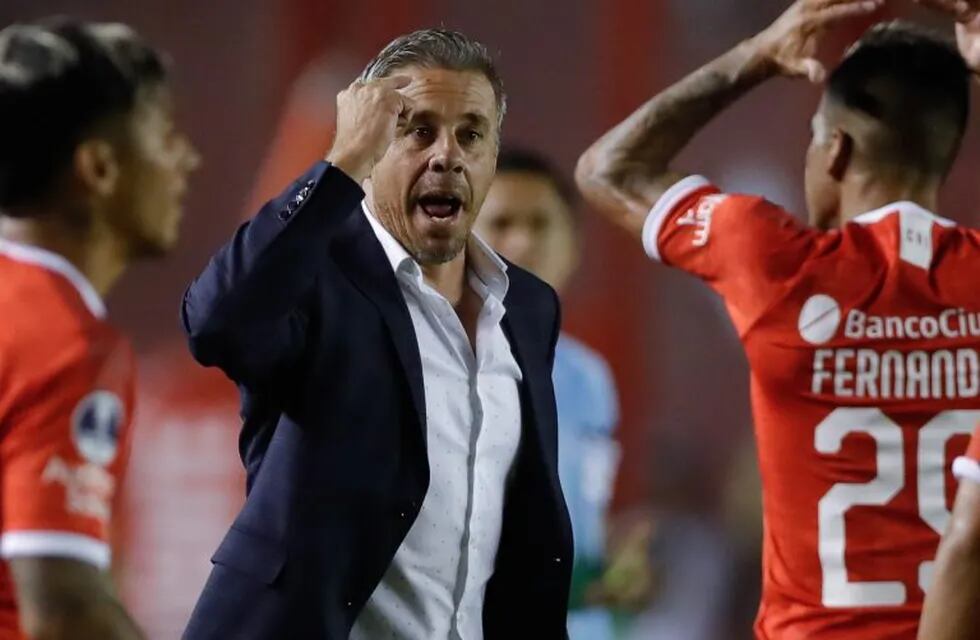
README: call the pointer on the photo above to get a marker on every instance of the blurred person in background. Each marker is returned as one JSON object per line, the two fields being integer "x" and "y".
{"x": 530, "y": 218}
{"x": 400, "y": 431}
{"x": 93, "y": 173}
{"x": 861, "y": 329}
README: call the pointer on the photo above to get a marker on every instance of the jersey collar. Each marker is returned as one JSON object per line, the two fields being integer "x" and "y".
{"x": 53, "y": 262}
{"x": 903, "y": 207}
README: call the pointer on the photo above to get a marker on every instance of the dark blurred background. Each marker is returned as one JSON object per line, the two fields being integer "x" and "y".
{"x": 256, "y": 81}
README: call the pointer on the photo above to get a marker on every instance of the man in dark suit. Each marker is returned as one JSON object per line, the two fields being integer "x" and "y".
{"x": 399, "y": 419}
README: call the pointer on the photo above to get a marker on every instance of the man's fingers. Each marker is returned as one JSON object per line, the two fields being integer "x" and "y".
{"x": 394, "y": 82}
{"x": 945, "y": 5}
{"x": 962, "y": 10}
{"x": 405, "y": 106}
{"x": 819, "y": 5}
{"x": 809, "y": 68}
{"x": 845, "y": 10}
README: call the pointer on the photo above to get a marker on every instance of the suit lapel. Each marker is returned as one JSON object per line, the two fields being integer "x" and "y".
{"x": 363, "y": 260}
{"x": 536, "y": 381}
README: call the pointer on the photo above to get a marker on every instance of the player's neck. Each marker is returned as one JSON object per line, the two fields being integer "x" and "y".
{"x": 94, "y": 250}
{"x": 871, "y": 195}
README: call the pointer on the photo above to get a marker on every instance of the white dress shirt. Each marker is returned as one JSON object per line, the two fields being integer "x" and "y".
{"x": 435, "y": 585}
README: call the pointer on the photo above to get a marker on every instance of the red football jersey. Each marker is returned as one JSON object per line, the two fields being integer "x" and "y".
{"x": 66, "y": 392}
{"x": 865, "y": 377}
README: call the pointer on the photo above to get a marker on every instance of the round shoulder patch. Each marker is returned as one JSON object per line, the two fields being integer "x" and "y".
{"x": 95, "y": 427}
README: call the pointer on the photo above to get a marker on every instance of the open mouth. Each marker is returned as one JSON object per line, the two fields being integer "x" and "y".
{"x": 440, "y": 206}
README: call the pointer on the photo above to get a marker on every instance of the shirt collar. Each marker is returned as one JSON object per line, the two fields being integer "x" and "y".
{"x": 395, "y": 252}
{"x": 53, "y": 262}
{"x": 904, "y": 208}
{"x": 483, "y": 261}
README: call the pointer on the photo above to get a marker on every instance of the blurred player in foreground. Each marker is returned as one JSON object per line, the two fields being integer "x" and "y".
{"x": 92, "y": 175}
{"x": 950, "y": 612}
{"x": 529, "y": 217}
{"x": 862, "y": 329}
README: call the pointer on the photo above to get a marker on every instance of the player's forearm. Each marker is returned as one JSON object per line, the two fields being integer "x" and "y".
{"x": 628, "y": 168}
{"x": 59, "y": 600}
{"x": 105, "y": 620}
{"x": 951, "y": 605}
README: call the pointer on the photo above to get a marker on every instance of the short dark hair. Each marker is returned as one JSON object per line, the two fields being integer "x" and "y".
{"x": 59, "y": 78}
{"x": 513, "y": 159}
{"x": 915, "y": 85}
{"x": 438, "y": 49}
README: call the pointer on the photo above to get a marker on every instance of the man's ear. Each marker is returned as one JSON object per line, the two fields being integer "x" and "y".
{"x": 840, "y": 154}
{"x": 96, "y": 166}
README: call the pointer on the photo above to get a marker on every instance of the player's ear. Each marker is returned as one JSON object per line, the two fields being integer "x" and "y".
{"x": 840, "y": 154}
{"x": 96, "y": 166}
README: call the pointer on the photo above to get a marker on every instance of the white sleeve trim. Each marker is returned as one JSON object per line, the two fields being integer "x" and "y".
{"x": 966, "y": 469}
{"x": 663, "y": 207}
{"x": 55, "y": 543}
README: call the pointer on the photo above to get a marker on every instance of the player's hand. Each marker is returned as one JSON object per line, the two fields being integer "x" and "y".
{"x": 968, "y": 39}
{"x": 967, "y": 16}
{"x": 367, "y": 119}
{"x": 790, "y": 43}
{"x": 961, "y": 10}
{"x": 628, "y": 582}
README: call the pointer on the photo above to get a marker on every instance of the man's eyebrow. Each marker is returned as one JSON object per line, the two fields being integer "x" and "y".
{"x": 476, "y": 118}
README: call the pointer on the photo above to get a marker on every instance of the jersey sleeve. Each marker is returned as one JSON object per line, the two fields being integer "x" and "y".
{"x": 743, "y": 246}
{"x": 64, "y": 447}
{"x": 967, "y": 466}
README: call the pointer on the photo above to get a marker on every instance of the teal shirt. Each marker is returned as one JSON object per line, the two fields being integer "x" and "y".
{"x": 588, "y": 456}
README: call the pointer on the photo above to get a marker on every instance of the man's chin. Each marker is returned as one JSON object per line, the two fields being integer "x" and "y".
{"x": 439, "y": 251}
{"x": 151, "y": 248}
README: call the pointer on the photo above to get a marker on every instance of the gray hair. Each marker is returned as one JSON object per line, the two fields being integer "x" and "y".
{"x": 438, "y": 49}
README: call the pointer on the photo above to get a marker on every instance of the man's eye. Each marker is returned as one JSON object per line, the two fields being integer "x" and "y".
{"x": 422, "y": 132}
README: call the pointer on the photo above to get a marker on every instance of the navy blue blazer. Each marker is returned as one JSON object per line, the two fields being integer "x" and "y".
{"x": 302, "y": 310}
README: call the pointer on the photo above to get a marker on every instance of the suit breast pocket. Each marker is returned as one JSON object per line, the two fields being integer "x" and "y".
{"x": 252, "y": 554}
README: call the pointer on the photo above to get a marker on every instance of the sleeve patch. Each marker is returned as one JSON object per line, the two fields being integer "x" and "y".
{"x": 699, "y": 217}
{"x": 88, "y": 487}
{"x": 96, "y": 425}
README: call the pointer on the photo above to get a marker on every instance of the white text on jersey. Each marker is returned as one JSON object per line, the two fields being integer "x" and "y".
{"x": 867, "y": 373}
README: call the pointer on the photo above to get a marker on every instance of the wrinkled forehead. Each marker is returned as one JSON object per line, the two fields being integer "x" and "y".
{"x": 452, "y": 95}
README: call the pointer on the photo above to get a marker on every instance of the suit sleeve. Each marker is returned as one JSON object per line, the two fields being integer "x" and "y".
{"x": 245, "y": 312}
{"x": 967, "y": 467}
{"x": 743, "y": 246}
{"x": 63, "y": 454}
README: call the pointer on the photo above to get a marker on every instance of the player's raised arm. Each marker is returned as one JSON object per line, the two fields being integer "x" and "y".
{"x": 629, "y": 168}
{"x": 967, "y": 16}
{"x": 62, "y": 598}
